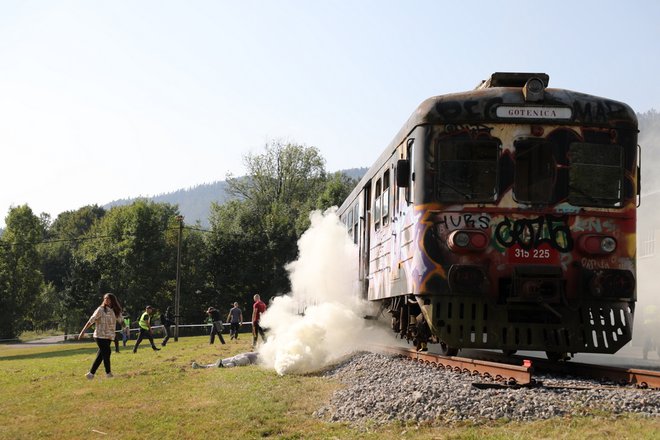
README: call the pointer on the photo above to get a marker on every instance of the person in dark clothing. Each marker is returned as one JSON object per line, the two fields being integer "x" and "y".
{"x": 235, "y": 318}
{"x": 167, "y": 320}
{"x": 118, "y": 332}
{"x": 145, "y": 329}
{"x": 126, "y": 328}
{"x": 216, "y": 326}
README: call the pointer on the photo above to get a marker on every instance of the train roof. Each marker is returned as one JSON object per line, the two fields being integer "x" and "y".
{"x": 512, "y": 97}
{"x": 511, "y": 91}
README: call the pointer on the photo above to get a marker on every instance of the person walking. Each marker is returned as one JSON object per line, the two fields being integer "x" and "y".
{"x": 216, "y": 325}
{"x": 235, "y": 318}
{"x": 258, "y": 308}
{"x": 126, "y": 332}
{"x": 105, "y": 319}
{"x": 119, "y": 329}
{"x": 167, "y": 320}
{"x": 145, "y": 329}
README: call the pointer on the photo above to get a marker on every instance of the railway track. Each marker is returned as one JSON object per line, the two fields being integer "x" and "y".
{"x": 510, "y": 373}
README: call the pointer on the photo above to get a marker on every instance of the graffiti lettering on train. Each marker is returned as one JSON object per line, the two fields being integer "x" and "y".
{"x": 468, "y": 109}
{"x": 596, "y": 111}
{"x": 591, "y": 224}
{"x": 530, "y": 233}
{"x": 592, "y": 264}
{"x": 467, "y": 128}
{"x": 467, "y": 220}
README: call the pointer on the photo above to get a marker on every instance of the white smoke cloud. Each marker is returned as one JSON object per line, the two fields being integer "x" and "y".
{"x": 324, "y": 283}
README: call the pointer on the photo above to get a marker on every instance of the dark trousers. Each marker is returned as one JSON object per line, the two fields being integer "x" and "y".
{"x": 103, "y": 355}
{"x": 256, "y": 331}
{"x": 117, "y": 342}
{"x": 166, "y": 329}
{"x": 216, "y": 329}
{"x": 144, "y": 333}
{"x": 233, "y": 329}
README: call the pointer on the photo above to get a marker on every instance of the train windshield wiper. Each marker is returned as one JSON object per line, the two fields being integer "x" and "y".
{"x": 450, "y": 186}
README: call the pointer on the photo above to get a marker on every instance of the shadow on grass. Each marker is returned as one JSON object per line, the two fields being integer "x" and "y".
{"x": 49, "y": 354}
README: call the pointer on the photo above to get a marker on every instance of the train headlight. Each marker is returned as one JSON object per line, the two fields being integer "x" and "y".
{"x": 467, "y": 241}
{"x": 596, "y": 244}
{"x": 533, "y": 89}
{"x": 608, "y": 245}
{"x": 461, "y": 239}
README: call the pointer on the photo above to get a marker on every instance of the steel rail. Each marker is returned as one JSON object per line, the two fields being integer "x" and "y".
{"x": 603, "y": 373}
{"x": 511, "y": 374}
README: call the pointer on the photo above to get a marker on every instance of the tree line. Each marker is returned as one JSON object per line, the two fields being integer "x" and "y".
{"x": 53, "y": 272}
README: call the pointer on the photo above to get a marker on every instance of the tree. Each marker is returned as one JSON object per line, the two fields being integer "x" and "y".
{"x": 63, "y": 237}
{"x": 21, "y": 281}
{"x": 337, "y": 188}
{"x": 256, "y": 234}
{"x": 126, "y": 252}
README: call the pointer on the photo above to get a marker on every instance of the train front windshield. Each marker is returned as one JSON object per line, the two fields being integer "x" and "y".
{"x": 560, "y": 168}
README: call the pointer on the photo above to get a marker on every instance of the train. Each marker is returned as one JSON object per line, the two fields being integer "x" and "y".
{"x": 504, "y": 218}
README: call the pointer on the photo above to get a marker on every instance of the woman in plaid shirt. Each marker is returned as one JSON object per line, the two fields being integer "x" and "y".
{"x": 105, "y": 317}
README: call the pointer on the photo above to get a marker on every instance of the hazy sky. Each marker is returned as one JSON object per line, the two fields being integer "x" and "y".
{"x": 101, "y": 100}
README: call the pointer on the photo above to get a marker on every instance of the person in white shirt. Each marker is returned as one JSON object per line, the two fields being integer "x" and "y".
{"x": 105, "y": 319}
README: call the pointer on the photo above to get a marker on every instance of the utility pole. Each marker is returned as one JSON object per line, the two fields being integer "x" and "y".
{"x": 177, "y": 293}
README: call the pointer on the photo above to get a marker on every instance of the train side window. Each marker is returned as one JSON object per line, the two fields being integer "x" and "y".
{"x": 467, "y": 170}
{"x": 386, "y": 197}
{"x": 535, "y": 171}
{"x": 356, "y": 219}
{"x": 596, "y": 174}
{"x": 377, "y": 204}
{"x": 409, "y": 152}
{"x": 395, "y": 195}
{"x": 349, "y": 221}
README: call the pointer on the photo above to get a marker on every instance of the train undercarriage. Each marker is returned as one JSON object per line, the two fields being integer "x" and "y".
{"x": 456, "y": 323}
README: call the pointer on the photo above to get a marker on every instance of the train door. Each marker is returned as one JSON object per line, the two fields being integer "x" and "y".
{"x": 364, "y": 241}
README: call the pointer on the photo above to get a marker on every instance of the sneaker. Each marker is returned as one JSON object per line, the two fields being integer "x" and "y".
{"x": 89, "y": 376}
{"x": 109, "y": 375}
{"x": 156, "y": 348}
{"x": 195, "y": 365}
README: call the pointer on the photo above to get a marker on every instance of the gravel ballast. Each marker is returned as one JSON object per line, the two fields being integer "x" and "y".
{"x": 381, "y": 388}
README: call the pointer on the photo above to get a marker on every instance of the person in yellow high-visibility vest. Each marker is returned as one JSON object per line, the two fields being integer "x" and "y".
{"x": 145, "y": 329}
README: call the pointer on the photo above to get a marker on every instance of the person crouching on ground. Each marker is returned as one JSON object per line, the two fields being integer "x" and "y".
{"x": 145, "y": 329}
{"x": 105, "y": 318}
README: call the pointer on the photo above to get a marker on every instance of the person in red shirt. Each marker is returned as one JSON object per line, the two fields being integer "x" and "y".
{"x": 257, "y": 310}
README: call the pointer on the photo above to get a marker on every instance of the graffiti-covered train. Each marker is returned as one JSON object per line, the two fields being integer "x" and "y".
{"x": 504, "y": 218}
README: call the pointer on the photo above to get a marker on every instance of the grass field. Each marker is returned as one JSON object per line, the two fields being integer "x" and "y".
{"x": 44, "y": 394}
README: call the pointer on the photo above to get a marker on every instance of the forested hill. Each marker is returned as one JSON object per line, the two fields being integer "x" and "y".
{"x": 195, "y": 203}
